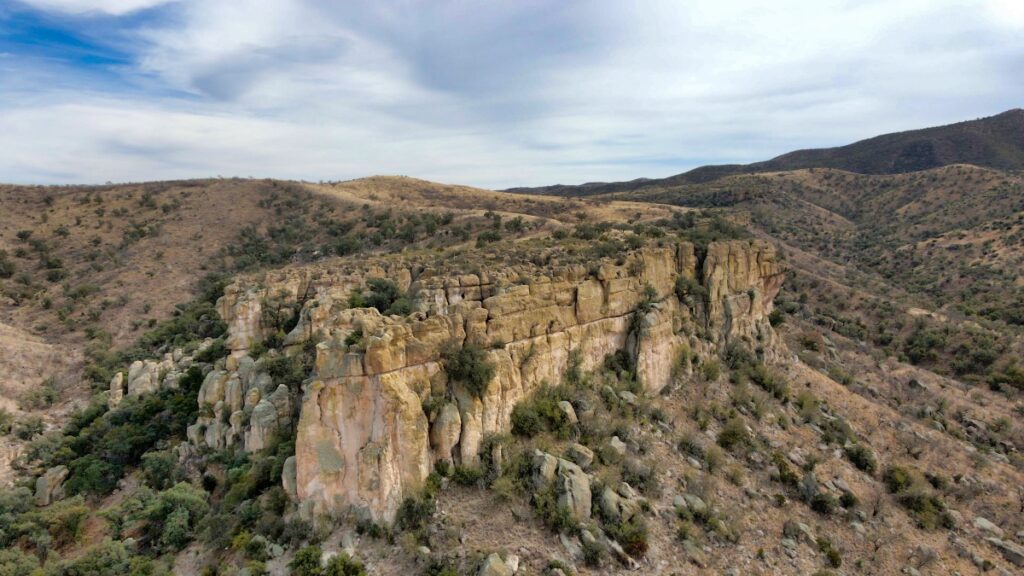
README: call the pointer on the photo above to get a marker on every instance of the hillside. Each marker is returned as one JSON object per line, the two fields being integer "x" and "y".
{"x": 88, "y": 271}
{"x": 992, "y": 142}
{"x": 780, "y": 373}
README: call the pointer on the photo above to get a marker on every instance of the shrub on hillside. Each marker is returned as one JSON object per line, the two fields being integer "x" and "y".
{"x": 862, "y": 457}
{"x": 470, "y": 366}
{"x": 384, "y": 295}
{"x": 7, "y": 267}
{"x": 734, "y": 435}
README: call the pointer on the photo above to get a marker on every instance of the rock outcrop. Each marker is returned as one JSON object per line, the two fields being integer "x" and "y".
{"x": 365, "y": 440}
{"x": 50, "y": 486}
{"x": 239, "y": 406}
{"x": 146, "y": 376}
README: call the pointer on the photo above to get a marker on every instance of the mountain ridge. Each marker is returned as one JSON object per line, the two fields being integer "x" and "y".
{"x": 992, "y": 142}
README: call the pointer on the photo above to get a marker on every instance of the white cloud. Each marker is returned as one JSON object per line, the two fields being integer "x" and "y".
{"x": 525, "y": 92}
{"x": 113, "y": 7}
{"x": 1007, "y": 12}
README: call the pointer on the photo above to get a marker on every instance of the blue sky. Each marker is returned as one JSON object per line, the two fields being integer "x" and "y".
{"x": 494, "y": 94}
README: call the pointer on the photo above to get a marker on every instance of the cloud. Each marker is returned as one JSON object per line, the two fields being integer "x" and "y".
{"x": 496, "y": 94}
{"x": 112, "y": 7}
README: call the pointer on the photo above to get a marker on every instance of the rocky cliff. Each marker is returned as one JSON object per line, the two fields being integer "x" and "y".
{"x": 379, "y": 409}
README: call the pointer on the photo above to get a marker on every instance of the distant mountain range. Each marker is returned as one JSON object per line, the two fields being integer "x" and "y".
{"x": 993, "y": 142}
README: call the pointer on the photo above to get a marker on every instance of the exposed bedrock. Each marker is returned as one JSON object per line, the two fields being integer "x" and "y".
{"x": 364, "y": 439}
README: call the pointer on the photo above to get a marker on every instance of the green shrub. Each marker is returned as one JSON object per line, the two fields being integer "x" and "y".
{"x": 832, "y": 555}
{"x": 29, "y": 427}
{"x": 848, "y": 500}
{"x": 738, "y": 355}
{"x": 862, "y": 457}
{"x": 913, "y": 493}
{"x": 306, "y": 562}
{"x": 594, "y": 553}
{"x": 176, "y": 533}
{"x": 713, "y": 459}
{"x": 440, "y": 567}
{"x": 786, "y": 473}
{"x": 174, "y": 513}
{"x": 465, "y": 475}
{"x": 897, "y": 479}
{"x": 711, "y": 370}
{"x": 526, "y": 421}
{"x": 824, "y": 503}
{"x": 110, "y": 558}
{"x": 554, "y": 515}
{"x": 415, "y": 512}
{"x": 39, "y": 397}
{"x": 385, "y": 296}
{"x": 159, "y": 469}
{"x": 734, "y": 435}
{"x": 470, "y": 366}
{"x": 926, "y": 509}
{"x": 486, "y": 237}
{"x": 354, "y": 338}
{"x": 632, "y": 535}
{"x": 688, "y": 445}
{"x": 7, "y": 267}
{"x": 689, "y": 291}
{"x": 769, "y": 381}
{"x": 622, "y": 364}
{"x": 541, "y": 412}
{"x": 343, "y": 565}
{"x": 14, "y": 562}
{"x": 6, "y": 421}
{"x": 216, "y": 350}
{"x": 102, "y": 445}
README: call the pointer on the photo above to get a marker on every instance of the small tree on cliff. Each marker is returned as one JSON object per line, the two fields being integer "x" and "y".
{"x": 469, "y": 366}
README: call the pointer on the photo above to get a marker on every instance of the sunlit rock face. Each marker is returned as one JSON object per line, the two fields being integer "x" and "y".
{"x": 364, "y": 438}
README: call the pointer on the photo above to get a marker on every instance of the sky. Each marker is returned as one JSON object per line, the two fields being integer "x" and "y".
{"x": 493, "y": 94}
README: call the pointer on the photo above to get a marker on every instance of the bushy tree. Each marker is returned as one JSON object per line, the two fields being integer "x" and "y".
{"x": 470, "y": 366}
{"x": 109, "y": 558}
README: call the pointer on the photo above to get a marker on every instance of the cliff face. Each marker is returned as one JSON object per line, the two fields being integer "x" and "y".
{"x": 364, "y": 439}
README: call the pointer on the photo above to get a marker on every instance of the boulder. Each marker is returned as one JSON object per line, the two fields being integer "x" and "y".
{"x": 50, "y": 486}
{"x": 617, "y": 446}
{"x": 798, "y": 531}
{"x": 610, "y": 501}
{"x": 1013, "y": 552}
{"x": 494, "y": 566}
{"x": 574, "y": 490}
{"x": 569, "y": 412}
{"x": 545, "y": 466}
{"x": 116, "y": 390}
{"x": 262, "y": 424}
{"x": 580, "y": 454}
{"x": 570, "y": 482}
{"x": 695, "y": 504}
{"x": 987, "y": 526}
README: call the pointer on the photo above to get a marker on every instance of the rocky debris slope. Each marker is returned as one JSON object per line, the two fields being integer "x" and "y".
{"x": 381, "y": 407}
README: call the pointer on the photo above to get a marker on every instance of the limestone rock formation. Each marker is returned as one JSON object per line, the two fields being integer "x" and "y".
{"x": 364, "y": 439}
